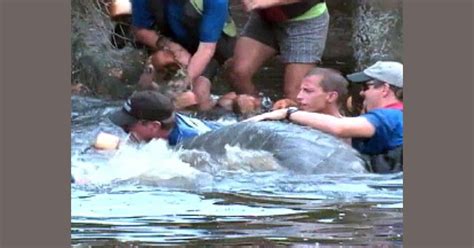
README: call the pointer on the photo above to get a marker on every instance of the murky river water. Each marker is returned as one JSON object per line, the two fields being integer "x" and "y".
{"x": 149, "y": 196}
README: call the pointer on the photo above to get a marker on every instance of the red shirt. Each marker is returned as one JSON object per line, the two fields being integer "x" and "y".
{"x": 398, "y": 105}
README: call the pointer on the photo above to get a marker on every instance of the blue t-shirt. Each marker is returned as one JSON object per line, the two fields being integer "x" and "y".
{"x": 188, "y": 127}
{"x": 214, "y": 16}
{"x": 388, "y": 123}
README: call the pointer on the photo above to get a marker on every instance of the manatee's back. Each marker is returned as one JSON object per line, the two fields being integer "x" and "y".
{"x": 297, "y": 148}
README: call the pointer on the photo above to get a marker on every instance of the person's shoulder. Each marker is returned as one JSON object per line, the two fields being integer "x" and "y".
{"x": 184, "y": 118}
{"x": 385, "y": 111}
{"x": 384, "y": 115}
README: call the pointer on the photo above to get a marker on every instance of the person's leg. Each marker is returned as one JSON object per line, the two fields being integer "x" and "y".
{"x": 301, "y": 45}
{"x": 256, "y": 44}
{"x": 249, "y": 56}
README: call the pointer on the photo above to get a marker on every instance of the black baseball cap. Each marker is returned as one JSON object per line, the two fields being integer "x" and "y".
{"x": 143, "y": 105}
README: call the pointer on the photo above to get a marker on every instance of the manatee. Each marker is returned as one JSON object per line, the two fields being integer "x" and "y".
{"x": 300, "y": 149}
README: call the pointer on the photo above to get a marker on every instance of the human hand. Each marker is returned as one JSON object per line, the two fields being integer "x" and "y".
{"x": 227, "y": 101}
{"x": 182, "y": 57}
{"x": 249, "y": 5}
{"x": 176, "y": 52}
{"x": 246, "y": 104}
{"x": 184, "y": 100}
{"x": 284, "y": 103}
{"x": 278, "y": 114}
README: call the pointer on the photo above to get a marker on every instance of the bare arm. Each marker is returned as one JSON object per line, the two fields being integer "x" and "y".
{"x": 200, "y": 59}
{"x": 146, "y": 36}
{"x": 181, "y": 55}
{"x": 345, "y": 127}
{"x": 150, "y": 38}
{"x": 250, "y": 5}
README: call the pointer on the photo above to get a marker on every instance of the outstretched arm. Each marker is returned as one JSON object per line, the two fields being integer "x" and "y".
{"x": 214, "y": 16}
{"x": 346, "y": 127}
{"x": 200, "y": 59}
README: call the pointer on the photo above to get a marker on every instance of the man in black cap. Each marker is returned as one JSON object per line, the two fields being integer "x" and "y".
{"x": 377, "y": 134}
{"x": 147, "y": 115}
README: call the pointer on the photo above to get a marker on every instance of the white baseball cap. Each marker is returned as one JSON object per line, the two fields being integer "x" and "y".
{"x": 390, "y": 72}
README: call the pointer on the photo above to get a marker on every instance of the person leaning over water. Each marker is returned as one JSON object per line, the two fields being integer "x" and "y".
{"x": 148, "y": 115}
{"x": 199, "y": 33}
{"x": 296, "y": 29}
{"x": 378, "y": 133}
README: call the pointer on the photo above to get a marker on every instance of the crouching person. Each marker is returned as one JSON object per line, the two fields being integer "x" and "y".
{"x": 148, "y": 115}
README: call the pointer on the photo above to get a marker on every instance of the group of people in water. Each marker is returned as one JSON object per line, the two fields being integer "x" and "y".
{"x": 200, "y": 36}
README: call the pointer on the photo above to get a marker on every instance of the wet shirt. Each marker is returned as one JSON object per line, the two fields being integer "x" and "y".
{"x": 214, "y": 16}
{"x": 188, "y": 127}
{"x": 388, "y": 123}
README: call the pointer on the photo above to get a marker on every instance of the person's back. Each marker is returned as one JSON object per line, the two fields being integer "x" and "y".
{"x": 384, "y": 150}
{"x": 188, "y": 127}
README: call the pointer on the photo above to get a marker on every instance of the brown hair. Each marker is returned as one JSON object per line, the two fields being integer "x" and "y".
{"x": 332, "y": 81}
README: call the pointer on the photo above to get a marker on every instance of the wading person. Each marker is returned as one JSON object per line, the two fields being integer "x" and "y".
{"x": 322, "y": 90}
{"x": 378, "y": 133}
{"x": 200, "y": 35}
{"x": 294, "y": 29}
{"x": 148, "y": 115}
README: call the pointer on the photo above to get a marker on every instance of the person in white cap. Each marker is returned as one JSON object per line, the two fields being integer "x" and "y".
{"x": 378, "y": 133}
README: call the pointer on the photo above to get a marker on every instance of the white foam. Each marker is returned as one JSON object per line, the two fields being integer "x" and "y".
{"x": 152, "y": 161}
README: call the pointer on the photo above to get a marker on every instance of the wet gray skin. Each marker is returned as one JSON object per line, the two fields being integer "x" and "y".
{"x": 297, "y": 148}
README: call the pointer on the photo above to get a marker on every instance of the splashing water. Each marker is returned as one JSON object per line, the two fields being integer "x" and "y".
{"x": 154, "y": 195}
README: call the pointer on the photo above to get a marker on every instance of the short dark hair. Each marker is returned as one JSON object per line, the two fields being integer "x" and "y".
{"x": 332, "y": 80}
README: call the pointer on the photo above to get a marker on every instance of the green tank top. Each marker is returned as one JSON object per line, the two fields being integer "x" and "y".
{"x": 315, "y": 11}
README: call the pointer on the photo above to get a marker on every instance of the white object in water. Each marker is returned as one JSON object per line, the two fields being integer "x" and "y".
{"x": 106, "y": 141}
